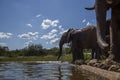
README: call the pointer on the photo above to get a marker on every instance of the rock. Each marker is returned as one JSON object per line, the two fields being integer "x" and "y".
{"x": 92, "y": 62}
{"x": 118, "y": 70}
{"x": 113, "y": 68}
{"x": 97, "y": 64}
{"x": 104, "y": 66}
{"x": 79, "y": 62}
{"x": 100, "y": 74}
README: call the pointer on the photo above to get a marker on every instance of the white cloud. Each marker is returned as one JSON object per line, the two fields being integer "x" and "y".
{"x": 29, "y": 35}
{"x": 54, "y": 31}
{"x": 88, "y": 23}
{"x": 60, "y": 27}
{"x": 5, "y": 35}
{"x": 3, "y": 44}
{"x": 84, "y": 20}
{"x": 48, "y": 23}
{"x": 9, "y": 34}
{"x": 49, "y": 36}
{"x": 37, "y": 16}
{"x": 55, "y": 40}
{"x": 52, "y": 34}
{"x": 27, "y": 43}
{"x": 63, "y": 31}
{"x": 29, "y": 25}
{"x": 55, "y": 22}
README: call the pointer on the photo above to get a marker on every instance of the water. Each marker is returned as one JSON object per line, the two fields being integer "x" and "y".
{"x": 39, "y": 71}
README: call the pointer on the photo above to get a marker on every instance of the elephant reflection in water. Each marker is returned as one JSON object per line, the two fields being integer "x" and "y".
{"x": 84, "y": 38}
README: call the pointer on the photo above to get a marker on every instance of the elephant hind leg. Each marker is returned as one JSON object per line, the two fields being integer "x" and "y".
{"x": 81, "y": 54}
{"x": 93, "y": 54}
{"x": 73, "y": 55}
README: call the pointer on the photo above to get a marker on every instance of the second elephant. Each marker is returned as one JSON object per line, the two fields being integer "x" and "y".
{"x": 84, "y": 38}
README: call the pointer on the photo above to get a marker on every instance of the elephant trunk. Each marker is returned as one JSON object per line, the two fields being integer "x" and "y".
{"x": 64, "y": 39}
{"x": 101, "y": 23}
{"x": 60, "y": 51}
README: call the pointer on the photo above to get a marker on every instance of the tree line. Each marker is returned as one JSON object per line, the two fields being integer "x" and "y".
{"x": 31, "y": 50}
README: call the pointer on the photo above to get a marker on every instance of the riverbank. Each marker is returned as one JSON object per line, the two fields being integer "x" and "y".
{"x": 92, "y": 72}
{"x": 67, "y": 57}
{"x": 99, "y": 74}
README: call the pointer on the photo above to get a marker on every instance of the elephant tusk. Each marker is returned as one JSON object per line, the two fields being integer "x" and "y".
{"x": 109, "y": 2}
{"x": 103, "y": 45}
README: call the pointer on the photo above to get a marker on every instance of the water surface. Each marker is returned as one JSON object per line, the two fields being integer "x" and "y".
{"x": 39, "y": 71}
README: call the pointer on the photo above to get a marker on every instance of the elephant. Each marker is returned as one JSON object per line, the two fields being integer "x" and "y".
{"x": 101, "y": 7}
{"x": 80, "y": 39}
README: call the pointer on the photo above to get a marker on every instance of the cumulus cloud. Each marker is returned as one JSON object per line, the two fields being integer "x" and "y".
{"x": 29, "y": 25}
{"x": 54, "y": 23}
{"x": 27, "y": 43}
{"x": 84, "y": 20}
{"x": 48, "y": 36}
{"x": 61, "y": 28}
{"x": 54, "y": 40}
{"x": 29, "y": 35}
{"x": 61, "y": 32}
{"x": 52, "y": 34}
{"x": 5, "y": 35}
{"x": 48, "y": 23}
{"x": 37, "y": 16}
{"x": 54, "y": 31}
{"x": 88, "y": 23}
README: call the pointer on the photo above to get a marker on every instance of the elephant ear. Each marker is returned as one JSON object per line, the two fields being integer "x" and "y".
{"x": 69, "y": 32}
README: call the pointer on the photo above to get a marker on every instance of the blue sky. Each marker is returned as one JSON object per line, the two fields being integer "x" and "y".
{"x": 23, "y": 22}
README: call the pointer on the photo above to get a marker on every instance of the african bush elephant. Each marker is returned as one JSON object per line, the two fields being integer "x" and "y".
{"x": 101, "y": 7}
{"x": 84, "y": 38}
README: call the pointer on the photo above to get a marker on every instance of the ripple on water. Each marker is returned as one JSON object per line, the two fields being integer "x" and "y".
{"x": 36, "y": 71}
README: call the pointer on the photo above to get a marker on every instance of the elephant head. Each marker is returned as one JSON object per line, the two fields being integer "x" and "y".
{"x": 66, "y": 38}
{"x": 101, "y": 7}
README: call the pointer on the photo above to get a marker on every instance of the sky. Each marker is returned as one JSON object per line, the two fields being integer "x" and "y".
{"x": 24, "y": 22}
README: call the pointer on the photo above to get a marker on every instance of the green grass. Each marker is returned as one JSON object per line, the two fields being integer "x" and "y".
{"x": 66, "y": 57}
{"x": 37, "y": 58}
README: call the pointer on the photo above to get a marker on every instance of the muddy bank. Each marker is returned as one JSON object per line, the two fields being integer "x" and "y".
{"x": 99, "y": 74}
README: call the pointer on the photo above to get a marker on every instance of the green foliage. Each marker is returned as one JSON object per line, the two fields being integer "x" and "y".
{"x": 52, "y": 51}
{"x": 33, "y": 50}
{"x": 3, "y": 50}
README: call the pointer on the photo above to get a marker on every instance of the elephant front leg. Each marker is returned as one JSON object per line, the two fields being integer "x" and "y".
{"x": 115, "y": 41}
{"x": 80, "y": 54}
{"x": 115, "y": 36}
{"x": 73, "y": 55}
